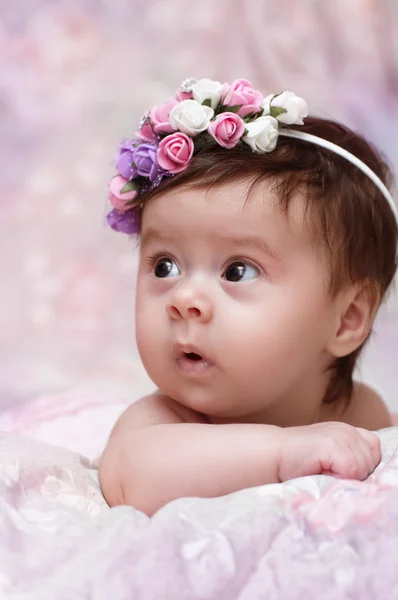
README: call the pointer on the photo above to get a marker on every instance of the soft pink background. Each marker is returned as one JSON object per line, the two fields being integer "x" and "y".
{"x": 74, "y": 78}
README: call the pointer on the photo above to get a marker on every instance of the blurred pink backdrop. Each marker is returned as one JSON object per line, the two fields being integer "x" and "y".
{"x": 74, "y": 78}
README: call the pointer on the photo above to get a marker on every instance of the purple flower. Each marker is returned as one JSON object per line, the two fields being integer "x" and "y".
{"x": 127, "y": 222}
{"x": 125, "y": 159}
{"x": 145, "y": 158}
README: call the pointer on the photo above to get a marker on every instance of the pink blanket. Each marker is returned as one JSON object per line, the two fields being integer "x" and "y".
{"x": 308, "y": 538}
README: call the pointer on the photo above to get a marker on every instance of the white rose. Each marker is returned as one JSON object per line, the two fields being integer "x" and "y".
{"x": 190, "y": 117}
{"x": 207, "y": 89}
{"x": 296, "y": 108}
{"x": 266, "y": 104}
{"x": 262, "y": 134}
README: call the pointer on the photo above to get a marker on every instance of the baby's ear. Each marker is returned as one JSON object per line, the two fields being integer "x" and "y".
{"x": 356, "y": 309}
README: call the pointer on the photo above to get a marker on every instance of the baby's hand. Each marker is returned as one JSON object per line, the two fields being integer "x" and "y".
{"x": 328, "y": 448}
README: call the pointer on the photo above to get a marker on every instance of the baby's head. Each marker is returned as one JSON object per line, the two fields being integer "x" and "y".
{"x": 261, "y": 273}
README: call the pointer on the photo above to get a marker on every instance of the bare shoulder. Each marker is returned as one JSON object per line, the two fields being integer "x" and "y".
{"x": 155, "y": 409}
{"x": 367, "y": 409}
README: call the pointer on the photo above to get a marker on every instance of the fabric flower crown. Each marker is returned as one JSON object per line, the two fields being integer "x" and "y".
{"x": 170, "y": 135}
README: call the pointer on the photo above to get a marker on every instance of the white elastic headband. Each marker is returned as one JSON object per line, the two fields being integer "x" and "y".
{"x": 301, "y": 135}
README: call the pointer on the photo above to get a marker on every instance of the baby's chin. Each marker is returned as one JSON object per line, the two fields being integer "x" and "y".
{"x": 216, "y": 407}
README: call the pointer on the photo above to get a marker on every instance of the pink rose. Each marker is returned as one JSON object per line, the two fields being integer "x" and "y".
{"x": 146, "y": 133}
{"x": 183, "y": 95}
{"x": 160, "y": 117}
{"x": 227, "y": 129}
{"x": 241, "y": 92}
{"x": 174, "y": 152}
{"x": 117, "y": 199}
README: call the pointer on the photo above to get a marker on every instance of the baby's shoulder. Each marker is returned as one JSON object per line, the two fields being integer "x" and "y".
{"x": 154, "y": 409}
{"x": 366, "y": 409}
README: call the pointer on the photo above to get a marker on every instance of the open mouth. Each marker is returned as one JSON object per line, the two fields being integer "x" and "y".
{"x": 193, "y": 356}
{"x": 192, "y": 363}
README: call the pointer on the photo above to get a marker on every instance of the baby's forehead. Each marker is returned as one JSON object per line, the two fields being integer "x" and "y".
{"x": 262, "y": 201}
{"x": 242, "y": 207}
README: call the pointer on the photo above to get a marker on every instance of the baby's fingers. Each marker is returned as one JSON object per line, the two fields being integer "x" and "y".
{"x": 373, "y": 442}
{"x": 350, "y": 464}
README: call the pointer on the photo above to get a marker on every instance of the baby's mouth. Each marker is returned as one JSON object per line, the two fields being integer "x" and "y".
{"x": 192, "y": 363}
{"x": 193, "y": 356}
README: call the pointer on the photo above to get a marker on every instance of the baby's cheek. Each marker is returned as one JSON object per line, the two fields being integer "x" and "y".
{"x": 150, "y": 339}
{"x": 144, "y": 332}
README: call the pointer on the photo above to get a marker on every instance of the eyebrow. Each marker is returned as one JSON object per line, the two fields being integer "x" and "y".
{"x": 247, "y": 241}
{"x": 251, "y": 242}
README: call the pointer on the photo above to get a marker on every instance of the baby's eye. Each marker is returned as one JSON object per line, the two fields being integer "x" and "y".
{"x": 240, "y": 271}
{"x": 166, "y": 267}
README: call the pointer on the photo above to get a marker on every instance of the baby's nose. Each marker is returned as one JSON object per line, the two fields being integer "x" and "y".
{"x": 189, "y": 304}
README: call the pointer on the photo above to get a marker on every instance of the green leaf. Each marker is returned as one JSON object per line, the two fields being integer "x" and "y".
{"x": 233, "y": 109}
{"x": 128, "y": 187}
{"x": 275, "y": 111}
{"x": 207, "y": 102}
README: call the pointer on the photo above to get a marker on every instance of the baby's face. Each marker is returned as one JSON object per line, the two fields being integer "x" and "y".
{"x": 232, "y": 311}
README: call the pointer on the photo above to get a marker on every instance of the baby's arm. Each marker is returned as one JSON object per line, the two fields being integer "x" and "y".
{"x": 155, "y": 455}
{"x": 160, "y": 451}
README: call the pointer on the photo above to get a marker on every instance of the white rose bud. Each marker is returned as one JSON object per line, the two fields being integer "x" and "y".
{"x": 266, "y": 104}
{"x": 262, "y": 134}
{"x": 190, "y": 117}
{"x": 207, "y": 89}
{"x": 295, "y": 108}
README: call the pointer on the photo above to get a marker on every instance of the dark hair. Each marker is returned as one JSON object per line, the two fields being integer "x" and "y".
{"x": 344, "y": 207}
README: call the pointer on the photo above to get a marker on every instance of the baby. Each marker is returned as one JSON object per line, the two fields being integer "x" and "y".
{"x": 266, "y": 247}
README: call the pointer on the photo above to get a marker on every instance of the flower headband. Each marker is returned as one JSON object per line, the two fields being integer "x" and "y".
{"x": 170, "y": 135}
